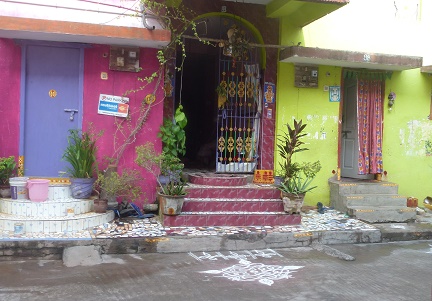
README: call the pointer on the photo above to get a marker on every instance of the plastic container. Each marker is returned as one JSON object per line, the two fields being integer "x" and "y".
{"x": 38, "y": 189}
{"x": 18, "y": 187}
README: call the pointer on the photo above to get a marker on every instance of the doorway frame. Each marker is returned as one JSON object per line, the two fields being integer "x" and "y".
{"x": 24, "y": 47}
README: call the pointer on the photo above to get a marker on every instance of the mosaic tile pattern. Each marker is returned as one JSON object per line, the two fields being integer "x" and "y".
{"x": 135, "y": 228}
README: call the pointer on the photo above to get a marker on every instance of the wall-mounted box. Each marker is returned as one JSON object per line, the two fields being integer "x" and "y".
{"x": 306, "y": 76}
{"x": 124, "y": 58}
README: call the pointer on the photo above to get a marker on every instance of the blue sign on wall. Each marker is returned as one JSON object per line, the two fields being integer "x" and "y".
{"x": 113, "y": 105}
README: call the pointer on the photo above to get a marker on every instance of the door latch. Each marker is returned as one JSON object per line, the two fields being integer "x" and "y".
{"x": 72, "y": 113}
{"x": 345, "y": 134}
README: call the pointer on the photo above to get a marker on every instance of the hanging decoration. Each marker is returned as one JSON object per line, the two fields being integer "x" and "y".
{"x": 237, "y": 45}
{"x": 391, "y": 98}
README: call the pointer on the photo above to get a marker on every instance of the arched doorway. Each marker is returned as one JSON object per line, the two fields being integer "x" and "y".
{"x": 222, "y": 136}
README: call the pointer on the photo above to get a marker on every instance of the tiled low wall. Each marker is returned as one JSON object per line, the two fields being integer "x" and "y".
{"x": 55, "y": 224}
{"x": 50, "y": 208}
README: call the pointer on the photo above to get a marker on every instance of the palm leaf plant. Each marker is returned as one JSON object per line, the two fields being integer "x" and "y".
{"x": 80, "y": 153}
{"x": 7, "y": 169}
{"x": 296, "y": 177}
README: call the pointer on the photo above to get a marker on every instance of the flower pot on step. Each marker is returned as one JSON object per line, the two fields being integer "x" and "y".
{"x": 171, "y": 204}
{"x": 81, "y": 188}
{"x": 292, "y": 202}
{"x": 5, "y": 191}
{"x": 100, "y": 205}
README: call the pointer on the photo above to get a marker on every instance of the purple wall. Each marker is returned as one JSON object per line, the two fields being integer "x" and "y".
{"x": 10, "y": 72}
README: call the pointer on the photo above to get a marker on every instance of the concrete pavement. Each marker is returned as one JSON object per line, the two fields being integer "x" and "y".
{"x": 380, "y": 272}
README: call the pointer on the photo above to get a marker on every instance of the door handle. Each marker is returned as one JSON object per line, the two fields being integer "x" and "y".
{"x": 345, "y": 133}
{"x": 72, "y": 113}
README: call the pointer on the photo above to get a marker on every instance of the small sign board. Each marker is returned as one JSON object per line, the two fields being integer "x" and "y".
{"x": 334, "y": 93}
{"x": 269, "y": 92}
{"x": 113, "y": 105}
{"x": 263, "y": 176}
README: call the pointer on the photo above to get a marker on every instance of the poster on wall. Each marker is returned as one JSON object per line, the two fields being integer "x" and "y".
{"x": 334, "y": 93}
{"x": 269, "y": 92}
{"x": 113, "y": 105}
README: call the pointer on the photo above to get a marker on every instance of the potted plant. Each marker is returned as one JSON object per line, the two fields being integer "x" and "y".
{"x": 80, "y": 153}
{"x": 170, "y": 195}
{"x": 297, "y": 177}
{"x": 173, "y": 135}
{"x": 278, "y": 177}
{"x": 111, "y": 185}
{"x": 7, "y": 170}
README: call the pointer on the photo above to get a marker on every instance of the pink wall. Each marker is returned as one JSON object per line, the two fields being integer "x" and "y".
{"x": 96, "y": 60}
{"x": 118, "y": 82}
{"x": 10, "y": 72}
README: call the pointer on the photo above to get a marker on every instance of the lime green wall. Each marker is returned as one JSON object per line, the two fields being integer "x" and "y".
{"x": 406, "y": 132}
{"x": 290, "y": 35}
{"x": 407, "y": 129}
{"x": 312, "y": 105}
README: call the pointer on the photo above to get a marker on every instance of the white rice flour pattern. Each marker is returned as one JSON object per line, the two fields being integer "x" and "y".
{"x": 245, "y": 270}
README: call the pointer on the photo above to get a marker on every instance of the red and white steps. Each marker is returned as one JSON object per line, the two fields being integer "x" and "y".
{"x": 229, "y": 200}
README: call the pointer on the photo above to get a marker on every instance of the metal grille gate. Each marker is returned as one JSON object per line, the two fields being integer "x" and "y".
{"x": 238, "y": 120}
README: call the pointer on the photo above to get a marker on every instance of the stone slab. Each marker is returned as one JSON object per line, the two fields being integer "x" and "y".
{"x": 383, "y": 214}
{"x": 82, "y": 256}
{"x": 404, "y": 231}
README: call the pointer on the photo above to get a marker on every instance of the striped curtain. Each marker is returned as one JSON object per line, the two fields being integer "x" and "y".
{"x": 370, "y": 127}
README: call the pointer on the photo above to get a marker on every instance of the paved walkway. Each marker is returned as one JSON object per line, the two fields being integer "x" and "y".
{"x": 130, "y": 236}
{"x": 151, "y": 227}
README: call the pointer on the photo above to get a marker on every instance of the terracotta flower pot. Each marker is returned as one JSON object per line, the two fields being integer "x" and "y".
{"x": 5, "y": 191}
{"x": 100, "y": 205}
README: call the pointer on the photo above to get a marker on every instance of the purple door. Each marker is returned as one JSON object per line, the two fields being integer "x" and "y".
{"x": 52, "y": 107}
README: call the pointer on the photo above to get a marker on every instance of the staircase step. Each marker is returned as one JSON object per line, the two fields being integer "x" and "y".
{"x": 213, "y": 179}
{"x": 47, "y": 209}
{"x": 247, "y": 205}
{"x": 383, "y": 214}
{"x": 55, "y": 224}
{"x": 249, "y": 191}
{"x": 374, "y": 200}
{"x": 201, "y": 219}
{"x": 349, "y": 187}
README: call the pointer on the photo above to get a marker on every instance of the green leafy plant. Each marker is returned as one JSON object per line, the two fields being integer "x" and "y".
{"x": 7, "y": 169}
{"x": 173, "y": 135}
{"x": 171, "y": 166}
{"x": 301, "y": 180}
{"x": 174, "y": 188}
{"x": 221, "y": 90}
{"x": 123, "y": 185}
{"x": 179, "y": 20}
{"x": 155, "y": 163}
{"x": 237, "y": 45}
{"x": 80, "y": 153}
{"x": 296, "y": 177}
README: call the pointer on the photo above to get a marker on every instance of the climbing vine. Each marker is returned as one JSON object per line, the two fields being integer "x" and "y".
{"x": 178, "y": 20}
